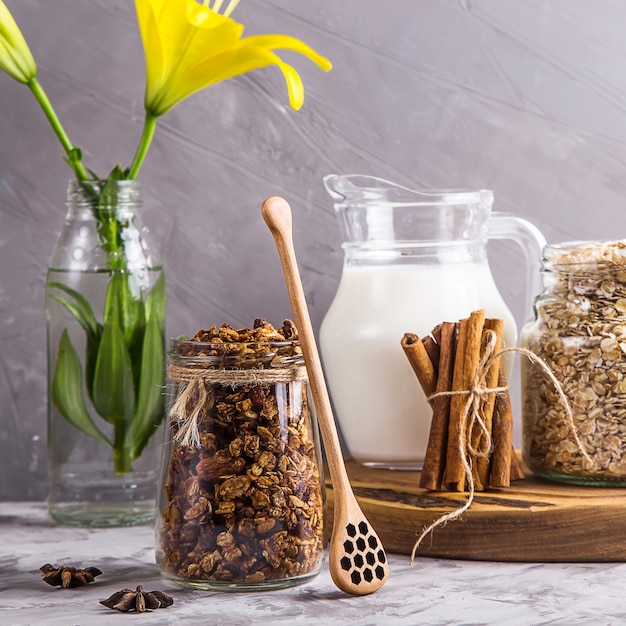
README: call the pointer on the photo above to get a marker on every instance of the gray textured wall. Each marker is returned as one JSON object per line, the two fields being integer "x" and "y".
{"x": 526, "y": 97}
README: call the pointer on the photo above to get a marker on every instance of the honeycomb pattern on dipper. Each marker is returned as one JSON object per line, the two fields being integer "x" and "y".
{"x": 364, "y": 555}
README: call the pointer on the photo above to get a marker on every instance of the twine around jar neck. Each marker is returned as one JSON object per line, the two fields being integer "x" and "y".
{"x": 199, "y": 380}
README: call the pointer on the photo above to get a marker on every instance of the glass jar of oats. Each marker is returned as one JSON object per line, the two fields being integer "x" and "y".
{"x": 579, "y": 331}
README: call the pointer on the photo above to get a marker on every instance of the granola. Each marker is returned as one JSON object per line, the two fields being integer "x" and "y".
{"x": 246, "y": 505}
{"x": 580, "y": 333}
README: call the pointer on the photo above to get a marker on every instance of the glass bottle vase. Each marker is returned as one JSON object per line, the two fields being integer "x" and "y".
{"x": 105, "y": 310}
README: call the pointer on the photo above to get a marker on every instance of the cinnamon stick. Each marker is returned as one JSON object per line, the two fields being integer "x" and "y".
{"x": 434, "y": 460}
{"x": 433, "y": 350}
{"x": 502, "y": 455}
{"x": 465, "y": 363}
{"x": 480, "y": 468}
{"x": 420, "y": 362}
{"x": 436, "y": 332}
{"x": 517, "y": 473}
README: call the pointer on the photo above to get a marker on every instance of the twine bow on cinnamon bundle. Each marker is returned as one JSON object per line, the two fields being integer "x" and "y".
{"x": 460, "y": 370}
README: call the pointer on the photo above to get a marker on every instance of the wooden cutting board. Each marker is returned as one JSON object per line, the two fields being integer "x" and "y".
{"x": 533, "y": 520}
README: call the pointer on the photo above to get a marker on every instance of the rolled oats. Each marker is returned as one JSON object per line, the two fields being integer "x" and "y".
{"x": 580, "y": 333}
{"x": 242, "y": 504}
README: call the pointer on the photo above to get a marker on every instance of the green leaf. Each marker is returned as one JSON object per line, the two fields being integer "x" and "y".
{"x": 116, "y": 174}
{"x": 156, "y": 302}
{"x": 109, "y": 191}
{"x": 150, "y": 409}
{"x": 113, "y": 389}
{"x": 133, "y": 321}
{"x": 67, "y": 393}
{"x": 81, "y": 310}
{"x": 132, "y": 311}
{"x": 108, "y": 233}
{"x": 150, "y": 400}
{"x": 122, "y": 304}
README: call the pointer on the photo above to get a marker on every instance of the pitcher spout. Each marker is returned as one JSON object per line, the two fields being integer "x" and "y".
{"x": 359, "y": 188}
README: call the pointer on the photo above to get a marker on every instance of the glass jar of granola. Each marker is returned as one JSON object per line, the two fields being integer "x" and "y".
{"x": 241, "y": 503}
{"x": 579, "y": 331}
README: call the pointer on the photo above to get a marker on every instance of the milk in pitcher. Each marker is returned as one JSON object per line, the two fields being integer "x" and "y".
{"x": 381, "y": 408}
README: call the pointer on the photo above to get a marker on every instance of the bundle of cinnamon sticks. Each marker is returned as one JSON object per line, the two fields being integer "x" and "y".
{"x": 481, "y": 437}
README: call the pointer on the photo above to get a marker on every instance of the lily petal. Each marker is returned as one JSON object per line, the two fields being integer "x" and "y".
{"x": 228, "y": 65}
{"x": 148, "y": 28}
{"x": 285, "y": 42}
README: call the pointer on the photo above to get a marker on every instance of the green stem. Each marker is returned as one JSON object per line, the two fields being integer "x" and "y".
{"x": 121, "y": 454}
{"x": 46, "y": 105}
{"x": 149, "y": 127}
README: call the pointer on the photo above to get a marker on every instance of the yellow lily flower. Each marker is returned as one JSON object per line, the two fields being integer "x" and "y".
{"x": 15, "y": 55}
{"x": 189, "y": 46}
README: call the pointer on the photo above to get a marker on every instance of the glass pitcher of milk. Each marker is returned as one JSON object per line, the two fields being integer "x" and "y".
{"x": 412, "y": 259}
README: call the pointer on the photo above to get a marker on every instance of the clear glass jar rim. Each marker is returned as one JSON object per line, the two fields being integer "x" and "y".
{"x": 79, "y": 185}
{"x": 125, "y": 193}
{"x": 233, "y": 354}
{"x": 214, "y": 345}
{"x": 585, "y": 252}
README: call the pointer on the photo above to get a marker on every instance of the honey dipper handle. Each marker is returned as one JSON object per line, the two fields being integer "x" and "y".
{"x": 277, "y": 215}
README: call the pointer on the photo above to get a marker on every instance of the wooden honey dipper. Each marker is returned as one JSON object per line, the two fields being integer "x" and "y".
{"x": 357, "y": 559}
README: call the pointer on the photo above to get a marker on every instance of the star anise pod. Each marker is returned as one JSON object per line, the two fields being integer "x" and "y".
{"x": 138, "y": 600}
{"x": 67, "y": 576}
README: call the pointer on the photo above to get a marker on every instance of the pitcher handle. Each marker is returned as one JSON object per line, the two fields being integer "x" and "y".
{"x": 529, "y": 238}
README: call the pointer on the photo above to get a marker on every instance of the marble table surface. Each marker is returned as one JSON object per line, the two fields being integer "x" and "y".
{"x": 431, "y": 591}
